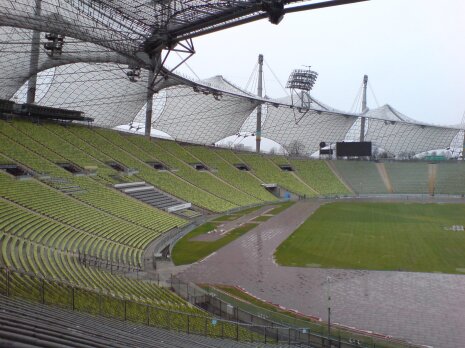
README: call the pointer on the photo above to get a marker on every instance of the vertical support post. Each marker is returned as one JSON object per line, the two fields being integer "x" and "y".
{"x": 149, "y": 109}
{"x": 463, "y": 146}
{"x": 329, "y": 309}
{"x": 125, "y": 310}
{"x": 258, "y": 132}
{"x": 364, "y": 108}
{"x": 34, "y": 59}
{"x": 7, "y": 282}
{"x": 148, "y": 315}
{"x": 100, "y": 302}
{"x": 153, "y": 70}
{"x": 72, "y": 298}
{"x": 188, "y": 324}
{"x": 42, "y": 293}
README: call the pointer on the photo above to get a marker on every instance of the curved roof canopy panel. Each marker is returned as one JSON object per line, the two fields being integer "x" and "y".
{"x": 15, "y": 56}
{"x": 83, "y": 20}
{"x": 285, "y": 125}
{"x": 397, "y": 134}
{"x": 102, "y": 91}
{"x": 204, "y": 116}
{"x": 387, "y": 112}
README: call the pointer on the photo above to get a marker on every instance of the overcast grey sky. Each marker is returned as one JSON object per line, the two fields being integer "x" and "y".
{"x": 412, "y": 50}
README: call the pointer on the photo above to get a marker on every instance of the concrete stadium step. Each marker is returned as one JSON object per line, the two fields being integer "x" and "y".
{"x": 56, "y": 327}
{"x": 149, "y": 195}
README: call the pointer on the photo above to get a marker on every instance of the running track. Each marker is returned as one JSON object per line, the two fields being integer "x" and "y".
{"x": 422, "y": 307}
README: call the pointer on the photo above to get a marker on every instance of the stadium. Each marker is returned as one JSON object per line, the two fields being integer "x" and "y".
{"x": 127, "y": 219}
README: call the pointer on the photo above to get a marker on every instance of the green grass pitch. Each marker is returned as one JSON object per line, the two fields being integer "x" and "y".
{"x": 379, "y": 236}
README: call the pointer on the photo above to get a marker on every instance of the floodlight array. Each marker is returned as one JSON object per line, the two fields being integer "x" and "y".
{"x": 93, "y": 57}
{"x": 302, "y": 79}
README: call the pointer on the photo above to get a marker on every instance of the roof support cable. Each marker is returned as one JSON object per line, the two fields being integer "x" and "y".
{"x": 276, "y": 78}
{"x": 373, "y": 92}
{"x": 356, "y": 102}
{"x": 188, "y": 66}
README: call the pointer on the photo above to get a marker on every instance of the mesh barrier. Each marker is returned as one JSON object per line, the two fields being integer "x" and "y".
{"x": 227, "y": 322}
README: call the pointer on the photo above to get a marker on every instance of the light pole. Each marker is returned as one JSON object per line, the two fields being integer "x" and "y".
{"x": 328, "y": 293}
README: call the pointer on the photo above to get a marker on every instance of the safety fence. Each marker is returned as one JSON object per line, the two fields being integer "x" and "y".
{"x": 278, "y": 327}
{"x": 16, "y": 283}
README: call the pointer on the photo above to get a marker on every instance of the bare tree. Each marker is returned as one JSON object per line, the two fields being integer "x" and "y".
{"x": 384, "y": 155}
{"x": 295, "y": 148}
{"x": 375, "y": 153}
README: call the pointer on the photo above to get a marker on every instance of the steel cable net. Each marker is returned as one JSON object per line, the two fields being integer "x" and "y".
{"x": 114, "y": 31}
{"x": 16, "y": 50}
{"x": 250, "y": 124}
{"x": 313, "y": 127}
{"x": 202, "y": 116}
{"x": 309, "y": 127}
{"x": 71, "y": 18}
{"x": 125, "y": 26}
{"x": 399, "y": 134}
{"x": 102, "y": 91}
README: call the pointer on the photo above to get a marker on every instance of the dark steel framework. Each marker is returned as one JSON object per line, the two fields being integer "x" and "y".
{"x": 107, "y": 59}
{"x": 137, "y": 30}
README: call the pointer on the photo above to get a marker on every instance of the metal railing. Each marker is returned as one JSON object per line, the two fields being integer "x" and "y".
{"x": 16, "y": 283}
{"x": 226, "y": 322}
{"x": 281, "y": 328}
{"x": 171, "y": 237}
{"x": 99, "y": 263}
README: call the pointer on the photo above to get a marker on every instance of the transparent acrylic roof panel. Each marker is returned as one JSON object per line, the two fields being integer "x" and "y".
{"x": 285, "y": 125}
{"x": 71, "y": 18}
{"x": 102, "y": 91}
{"x": 15, "y": 52}
{"x": 201, "y": 118}
{"x": 400, "y": 137}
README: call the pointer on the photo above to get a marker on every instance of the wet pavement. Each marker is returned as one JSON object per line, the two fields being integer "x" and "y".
{"x": 425, "y": 308}
{"x": 227, "y": 226}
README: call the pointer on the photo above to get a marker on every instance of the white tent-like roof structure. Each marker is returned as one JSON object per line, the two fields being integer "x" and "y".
{"x": 286, "y": 124}
{"x": 104, "y": 40}
{"x": 396, "y": 133}
{"x": 204, "y": 116}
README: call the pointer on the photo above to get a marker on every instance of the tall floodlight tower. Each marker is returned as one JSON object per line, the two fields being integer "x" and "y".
{"x": 258, "y": 133}
{"x": 364, "y": 108}
{"x": 300, "y": 83}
